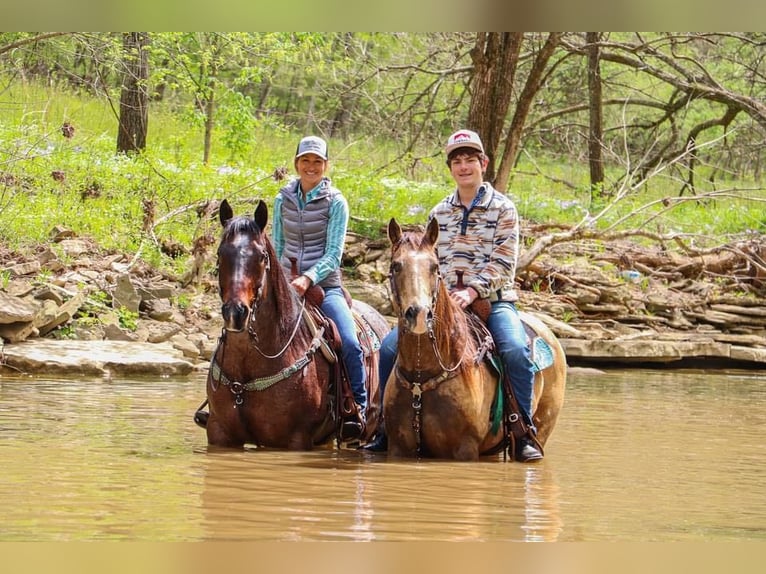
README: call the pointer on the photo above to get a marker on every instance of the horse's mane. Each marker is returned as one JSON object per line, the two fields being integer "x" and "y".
{"x": 451, "y": 329}
{"x": 284, "y": 295}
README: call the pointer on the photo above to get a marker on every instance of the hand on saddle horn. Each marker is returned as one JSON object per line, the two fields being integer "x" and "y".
{"x": 304, "y": 287}
{"x": 481, "y": 308}
{"x": 468, "y": 299}
{"x": 314, "y": 294}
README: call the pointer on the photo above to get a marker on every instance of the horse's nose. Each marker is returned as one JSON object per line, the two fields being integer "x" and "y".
{"x": 412, "y": 312}
{"x": 416, "y": 317}
{"x": 234, "y": 315}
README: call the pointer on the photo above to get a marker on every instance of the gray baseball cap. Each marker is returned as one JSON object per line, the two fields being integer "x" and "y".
{"x": 312, "y": 144}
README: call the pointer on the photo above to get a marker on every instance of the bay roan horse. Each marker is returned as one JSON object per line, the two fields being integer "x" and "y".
{"x": 440, "y": 397}
{"x": 270, "y": 381}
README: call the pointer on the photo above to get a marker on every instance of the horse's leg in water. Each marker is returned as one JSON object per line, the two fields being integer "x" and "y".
{"x": 467, "y": 450}
{"x": 217, "y": 435}
{"x": 300, "y": 440}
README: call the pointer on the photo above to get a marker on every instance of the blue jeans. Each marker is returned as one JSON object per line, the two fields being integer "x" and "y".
{"x": 387, "y": 358}
{"x": 337, "y": 309}
{"x": 510, "y": 339}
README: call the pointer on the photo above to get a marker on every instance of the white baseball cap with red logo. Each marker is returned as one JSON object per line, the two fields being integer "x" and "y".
{"x": 464, "y": 138}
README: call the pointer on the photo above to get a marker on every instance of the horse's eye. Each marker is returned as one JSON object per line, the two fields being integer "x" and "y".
{"x": 396, "y": 267}
{"x": 434, "y": 268}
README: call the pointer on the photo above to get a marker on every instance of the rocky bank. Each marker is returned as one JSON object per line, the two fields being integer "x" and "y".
{"x": 75, "y": 309}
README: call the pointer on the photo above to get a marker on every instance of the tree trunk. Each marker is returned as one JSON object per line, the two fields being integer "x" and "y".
{"x": 264, "y": 91}
{"x": 494, "y": 56}
{"x": 209, "y": 121}
{"x": 523, "y": 107}
{"x": 134, "y": 98}
{"x": 595, "y": 132}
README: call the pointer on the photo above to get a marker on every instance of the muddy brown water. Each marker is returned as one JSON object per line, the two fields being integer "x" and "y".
{"x": 638, "y": 455}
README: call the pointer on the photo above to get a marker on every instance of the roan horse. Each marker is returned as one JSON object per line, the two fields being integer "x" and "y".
{"x": 441, "y": 399}
{"x": 274, "y": 379}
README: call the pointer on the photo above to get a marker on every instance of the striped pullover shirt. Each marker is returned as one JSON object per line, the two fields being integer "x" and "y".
{"x": 481, "y": 240}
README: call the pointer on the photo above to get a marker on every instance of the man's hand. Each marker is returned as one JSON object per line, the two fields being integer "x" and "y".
{"x": 464, "y": 297}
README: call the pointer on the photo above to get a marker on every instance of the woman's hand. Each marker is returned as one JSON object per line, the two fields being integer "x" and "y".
{"x": 301, "y": 284}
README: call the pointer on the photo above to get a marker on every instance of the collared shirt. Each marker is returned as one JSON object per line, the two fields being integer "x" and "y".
{"x": 336, "y": 231}
{"x": 481, "y": 241}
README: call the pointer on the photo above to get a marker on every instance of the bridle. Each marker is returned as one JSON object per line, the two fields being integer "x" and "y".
{"x": 237, "y": 387}
{"x": 417, "y": 386}
{"x": 430, "y": 320}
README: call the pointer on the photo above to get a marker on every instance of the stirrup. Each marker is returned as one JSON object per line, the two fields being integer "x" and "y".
{"x": 378, "y": 444}
{"x": 351, "y": 429}
{"x": 200, "y": 416}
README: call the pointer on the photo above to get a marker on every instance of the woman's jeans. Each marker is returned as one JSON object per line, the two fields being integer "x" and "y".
{"x": 337, "y": 309}
{"x": 507, "y": 331}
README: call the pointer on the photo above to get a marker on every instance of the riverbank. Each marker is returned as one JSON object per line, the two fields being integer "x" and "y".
{"x": 74, "y": 308}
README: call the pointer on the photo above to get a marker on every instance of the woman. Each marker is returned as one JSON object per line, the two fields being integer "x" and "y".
{"x": 309, "y": 227}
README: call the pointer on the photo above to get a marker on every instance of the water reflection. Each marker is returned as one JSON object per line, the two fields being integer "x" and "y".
{"x": 637, "y": 456}
{"x": 268, "y": 495}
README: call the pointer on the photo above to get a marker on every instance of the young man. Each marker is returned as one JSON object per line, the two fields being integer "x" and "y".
{"x": 479, "y": 236}
{"x": 309, "y": 225}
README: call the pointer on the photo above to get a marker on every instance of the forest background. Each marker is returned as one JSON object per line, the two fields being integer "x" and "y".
{"x": 131, "y": 139}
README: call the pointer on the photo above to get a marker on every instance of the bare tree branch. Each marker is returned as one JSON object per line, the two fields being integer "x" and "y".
{"x": 31, "y": 40}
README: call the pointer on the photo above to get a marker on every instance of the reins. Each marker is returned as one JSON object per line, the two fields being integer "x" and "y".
{"x": 251, "y": 332}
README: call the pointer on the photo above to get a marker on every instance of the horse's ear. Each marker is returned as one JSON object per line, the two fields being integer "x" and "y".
{"x": 225, "y": 213}
{"x": 431, "y": 234}
{"x": 261, "y": 215}
{"x": 394, "y": 231}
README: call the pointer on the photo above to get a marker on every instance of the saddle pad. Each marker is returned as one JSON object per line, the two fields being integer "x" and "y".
{"x": 542, "y": 354}
{"x": 368, "y": 335}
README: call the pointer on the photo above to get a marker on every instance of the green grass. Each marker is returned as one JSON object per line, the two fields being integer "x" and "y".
{"x": 101, "y": 193}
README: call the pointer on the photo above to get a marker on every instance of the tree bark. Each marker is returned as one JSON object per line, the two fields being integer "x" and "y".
{"x": 209, "y": 121}
{"x": 595, "y": 128}
{"x": 134, "y": 98}
{"x": 495, "y": 57}
{"x": 523, "y": 107}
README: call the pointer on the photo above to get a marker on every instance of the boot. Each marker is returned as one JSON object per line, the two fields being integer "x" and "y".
{"x": 527, "y": 450}
{"x": 379, "y": 443}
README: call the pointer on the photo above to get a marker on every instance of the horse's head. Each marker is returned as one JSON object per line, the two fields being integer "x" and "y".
{"x": 243, "y": 261}
{"x": 414, "y": 275}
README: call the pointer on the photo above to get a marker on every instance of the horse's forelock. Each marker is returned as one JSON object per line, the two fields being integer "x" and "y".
{"x": 409, "y": 239}
{"x": 238, "y": 225}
